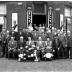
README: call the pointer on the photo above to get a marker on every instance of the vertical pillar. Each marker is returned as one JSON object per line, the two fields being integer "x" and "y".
{"x": 29, "y": 16}
{"x": 50, "y": 18}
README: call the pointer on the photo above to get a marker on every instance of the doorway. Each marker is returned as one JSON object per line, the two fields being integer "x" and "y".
{"x": 0, "y": 28}
{"x": 39, "y": 19}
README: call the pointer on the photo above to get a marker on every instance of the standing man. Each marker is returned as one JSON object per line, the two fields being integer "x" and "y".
{"x": 56, "y": 45}
{"x": 3, "y": 34}
{"x": 69, "y": 47}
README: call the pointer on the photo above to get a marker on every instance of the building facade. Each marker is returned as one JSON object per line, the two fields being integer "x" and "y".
{"x": 23, "y": 13}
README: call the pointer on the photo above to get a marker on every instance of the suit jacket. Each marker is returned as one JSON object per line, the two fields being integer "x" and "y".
{"x": 35, "y": 35}
{"x": 12, "y": 44}
{"x": 30, "y": 43}
{"x": 40, "y": 43}
{"x": 56, "y": 45}
{"x": 28, "y": 34}
{"x": 21, "y": 44}
{"x": 69, "y": 41}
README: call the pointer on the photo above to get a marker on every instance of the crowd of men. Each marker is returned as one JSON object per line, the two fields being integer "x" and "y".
{"x": 37, "y": 44}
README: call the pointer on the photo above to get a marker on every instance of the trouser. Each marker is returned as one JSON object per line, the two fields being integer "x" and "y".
{"x": 65, "y": 52}
{"x": 4, "y": 47}
{"x": 55, "y": 54}
{"x": 58, "y": 53}
{"x": 69, "y": 52}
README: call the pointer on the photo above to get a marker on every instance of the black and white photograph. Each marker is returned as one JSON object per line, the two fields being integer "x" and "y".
{"x": 36, "y": 36}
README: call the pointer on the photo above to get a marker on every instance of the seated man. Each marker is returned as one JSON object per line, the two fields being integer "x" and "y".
{"x": 40, "y": 47}
{"x": 30, "y": 46}
{"x": 29, "y": 42}
{"x": 21, "y": 49}
{"x": 39, "y": 43}
{"x": 48, "y": 49}
{"x": 12, "y": 47}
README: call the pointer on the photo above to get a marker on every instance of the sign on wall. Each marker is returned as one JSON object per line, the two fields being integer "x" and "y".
{"x": 15, "y": 21}
{"x": 50, "y": 17}
{"x": 1, "y": 20}
{"x": 29, "y": 16}
{"x": 61, "y": 20}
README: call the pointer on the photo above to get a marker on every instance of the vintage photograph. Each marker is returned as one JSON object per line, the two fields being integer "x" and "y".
{"x": 35, "y": 36}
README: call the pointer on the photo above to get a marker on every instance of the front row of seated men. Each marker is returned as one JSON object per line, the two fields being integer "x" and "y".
{"x": 36, "y": 50}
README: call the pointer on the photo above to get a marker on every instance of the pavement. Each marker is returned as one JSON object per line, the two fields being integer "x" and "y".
{"x": 11, "y": 65}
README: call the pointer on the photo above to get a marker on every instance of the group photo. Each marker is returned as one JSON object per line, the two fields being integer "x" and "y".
{"x": 38, "y": 43}
{"x": 35, "y": 36}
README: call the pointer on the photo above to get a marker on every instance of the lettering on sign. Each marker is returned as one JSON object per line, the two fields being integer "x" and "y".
{"x": 29, "y": 16}
{"x": 50, "y": 18}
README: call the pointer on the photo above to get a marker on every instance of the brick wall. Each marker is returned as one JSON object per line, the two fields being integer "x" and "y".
{"x": 56, "y": 14}
{"x": 21, "y": 10}
{"x": 13, "y": 7}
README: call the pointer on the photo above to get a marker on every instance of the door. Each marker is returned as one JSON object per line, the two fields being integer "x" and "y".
{"x": 0, "y": 28}
{"x": 39, "y": 19}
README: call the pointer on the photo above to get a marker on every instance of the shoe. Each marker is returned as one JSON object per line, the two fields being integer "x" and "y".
{"x": 19, "y": 59}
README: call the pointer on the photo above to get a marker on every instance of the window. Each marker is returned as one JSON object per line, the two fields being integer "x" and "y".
{"x": 3, "y": 9}
{"x": 67, "y": 12}
{"x": 39, "y": 8}
{"x": 1, "y": 20}
{"x": 68, "y": 21}
{"x": 71, "y": 11}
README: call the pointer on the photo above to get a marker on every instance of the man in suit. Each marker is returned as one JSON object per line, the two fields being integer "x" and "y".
{"x": 35, "y": 27}
{"x": 3, "y": 35}
{"x": 35, "y": 35}
{"x": 28, "y": 34}
{"x": 12, "y": 47}
{"x": 63, "y": 39}
{"x": 69, "y": 45}
{"x": 56, "y": 45}
{"x": 44, "y": 36}
{"x": 40, "y": 47}
{"x": 21, "y": 49}
{"x": 8, "y": 37}
{"x": 1, "y": 46}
